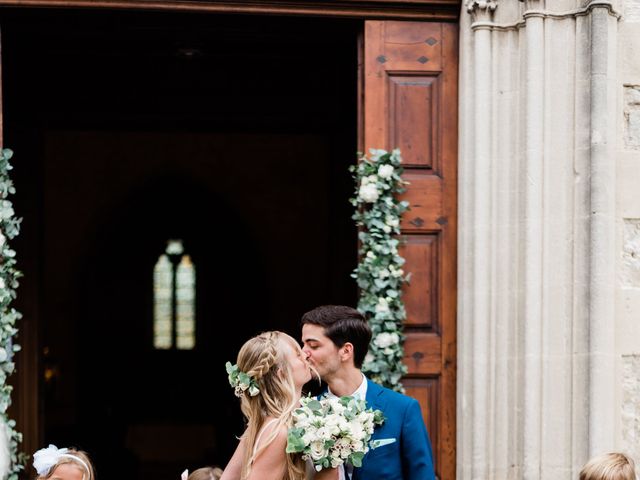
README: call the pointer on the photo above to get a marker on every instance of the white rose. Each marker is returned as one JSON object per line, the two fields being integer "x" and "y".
{"x": 392, "y": 222}
{"x": 385, "y": 171}
{"x": 343, "y": 424}
{"x": 317, "y": 450}
{"x": 339, "y": 409}
{"x": 332, "y": 426}
{"x": 323, "y": 433}
{"x": 386, "y": 339}
{"x": 357, "y": 432}
{"x": 382, "y": 306}
{"x": 308, "y": 437}
{"x": 369, "y": 193}
{"x": 302, "y": 422}
{"x": 384, "y": 273}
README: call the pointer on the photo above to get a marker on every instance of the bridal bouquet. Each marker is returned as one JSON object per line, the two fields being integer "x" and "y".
{"x": 331, "y": 431}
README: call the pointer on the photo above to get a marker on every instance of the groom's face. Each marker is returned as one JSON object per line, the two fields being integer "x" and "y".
{"x": 321, "y": 352}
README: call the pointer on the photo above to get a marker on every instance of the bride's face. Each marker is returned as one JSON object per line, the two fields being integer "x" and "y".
{"x": 299, "y": 366}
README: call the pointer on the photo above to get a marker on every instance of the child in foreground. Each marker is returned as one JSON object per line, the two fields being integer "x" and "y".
{"x": 610, "y": 466}
{"x": 62, "y": 464}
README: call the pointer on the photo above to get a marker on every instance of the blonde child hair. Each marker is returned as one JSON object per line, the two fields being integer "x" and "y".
{"x": 206, "y": 473}
{"x": 609, "y": 466}
{"x": 263, "y": 359}
{"x": 51, "y": 458}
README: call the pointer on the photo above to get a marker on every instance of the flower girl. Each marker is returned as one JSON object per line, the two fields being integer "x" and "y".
{"x": 62, "y": 464}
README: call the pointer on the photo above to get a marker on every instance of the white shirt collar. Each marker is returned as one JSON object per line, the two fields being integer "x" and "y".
{"x": 360, "y": 393}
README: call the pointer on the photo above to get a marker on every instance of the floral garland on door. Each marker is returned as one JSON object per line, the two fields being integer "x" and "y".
{"x": 9, "y": 274}
{"x": 379, "y": 273}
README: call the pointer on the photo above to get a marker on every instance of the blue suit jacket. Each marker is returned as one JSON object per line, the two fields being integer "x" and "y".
{"x": 410, "y": 456}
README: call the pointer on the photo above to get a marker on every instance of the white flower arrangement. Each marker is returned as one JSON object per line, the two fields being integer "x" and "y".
{"x": 9, "y": 274}
{"x": 331, "y": 431}
{"x": 379, "y": 274}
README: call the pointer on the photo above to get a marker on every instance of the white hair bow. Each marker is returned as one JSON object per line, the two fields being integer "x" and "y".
{"x": 45, "y": 458}
{"x": 184, "y": 475}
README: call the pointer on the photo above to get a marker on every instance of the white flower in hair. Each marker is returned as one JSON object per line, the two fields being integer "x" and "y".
{"x": 45, "y": 458}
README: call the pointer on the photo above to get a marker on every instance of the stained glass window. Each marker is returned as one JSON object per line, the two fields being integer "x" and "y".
{"x": 174, "y": 294}
{"x": 162, "y": 293}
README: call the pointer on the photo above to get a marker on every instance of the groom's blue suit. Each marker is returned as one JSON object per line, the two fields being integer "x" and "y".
{"x": 409, "y": 457}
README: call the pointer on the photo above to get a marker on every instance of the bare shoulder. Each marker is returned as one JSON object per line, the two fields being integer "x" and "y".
{"x": 271, "y": 462}
{"x": 268, "y": 430}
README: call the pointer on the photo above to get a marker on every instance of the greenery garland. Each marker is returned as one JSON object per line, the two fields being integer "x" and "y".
{"x": 379, "y": 273}
{"x": 9, "y": 228}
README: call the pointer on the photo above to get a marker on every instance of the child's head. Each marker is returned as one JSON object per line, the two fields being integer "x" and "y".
{"x": 610, "y": 466}
{"x": 206, "y": 473}
{"x": 52, "y": 463}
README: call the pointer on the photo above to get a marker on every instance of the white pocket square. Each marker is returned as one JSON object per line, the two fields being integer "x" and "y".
{"x": 381, "y": 442}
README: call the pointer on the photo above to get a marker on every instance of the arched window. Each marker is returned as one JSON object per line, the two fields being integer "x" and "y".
{"x": 174, "y": 295}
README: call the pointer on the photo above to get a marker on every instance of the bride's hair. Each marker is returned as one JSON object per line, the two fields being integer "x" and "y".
{"x": 263, "y": 358}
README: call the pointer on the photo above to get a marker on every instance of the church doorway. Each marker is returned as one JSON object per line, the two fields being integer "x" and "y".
{"x": 229, "y": 136}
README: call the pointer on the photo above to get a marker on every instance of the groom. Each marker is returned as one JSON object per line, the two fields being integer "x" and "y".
{"x": 336, "y": 339}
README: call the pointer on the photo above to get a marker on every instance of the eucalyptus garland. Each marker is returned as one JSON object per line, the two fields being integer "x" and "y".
{"x": 379, "y": 273}
{"x": 9, "y": 274}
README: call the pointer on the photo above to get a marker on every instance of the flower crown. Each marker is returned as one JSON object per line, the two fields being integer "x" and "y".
{"x": 241, "y": 381}
{"x": 46, "y": 458}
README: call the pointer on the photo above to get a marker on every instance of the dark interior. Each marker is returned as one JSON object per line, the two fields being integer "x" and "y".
{"x": 232, "y": 133}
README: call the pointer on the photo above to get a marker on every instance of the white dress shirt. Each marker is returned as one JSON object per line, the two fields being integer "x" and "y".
{"x": 359, "y": 394}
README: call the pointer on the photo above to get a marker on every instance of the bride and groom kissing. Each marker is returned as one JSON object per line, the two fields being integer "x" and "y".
{"x": 269, "y": 376}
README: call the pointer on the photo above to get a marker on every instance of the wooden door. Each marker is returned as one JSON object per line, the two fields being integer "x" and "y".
{"x": 410, "y": 102}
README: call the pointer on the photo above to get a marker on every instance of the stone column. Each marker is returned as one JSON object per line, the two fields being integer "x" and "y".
{"x": 537, "y": 237}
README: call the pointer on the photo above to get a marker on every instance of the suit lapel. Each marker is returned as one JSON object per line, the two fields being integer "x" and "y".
{"x": 375, "y": 397}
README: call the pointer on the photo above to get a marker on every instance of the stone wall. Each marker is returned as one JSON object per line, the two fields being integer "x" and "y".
{"x": 628, "y": 232}
{"x": 540, "y": 235}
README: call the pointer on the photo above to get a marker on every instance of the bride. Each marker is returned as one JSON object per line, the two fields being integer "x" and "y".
{"x": 268, "y": 378}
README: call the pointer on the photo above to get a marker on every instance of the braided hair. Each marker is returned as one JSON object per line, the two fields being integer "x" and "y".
{"x": 263, "y": 358}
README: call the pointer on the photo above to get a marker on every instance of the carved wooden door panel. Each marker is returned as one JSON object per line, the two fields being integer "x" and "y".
{"x": 410, "y": 102}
